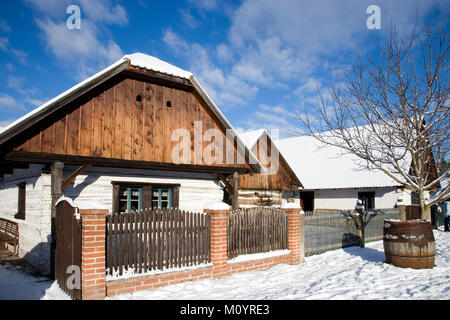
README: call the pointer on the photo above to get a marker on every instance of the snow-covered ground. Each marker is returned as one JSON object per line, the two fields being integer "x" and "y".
{"x": 350, "y": 273}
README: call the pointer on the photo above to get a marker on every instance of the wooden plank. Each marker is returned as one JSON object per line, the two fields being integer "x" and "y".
{"x": 119, "y": 110}
{"x": 72, "y": 132}
{"x": 108, "y": 114}
{"x": 148, "y": 102}
{"x": 85, "y": 130}
{"x": 128, "y": 119}
{"x": 97, "y": 126}
{"x": 138, "y": 119}
{"x": 59, "y": 138}
{"x": 158, "y": 125}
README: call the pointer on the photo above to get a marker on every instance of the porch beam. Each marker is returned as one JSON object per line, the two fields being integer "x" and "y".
{"x": 72, "y": 177}
{"x": 227, "y": 184}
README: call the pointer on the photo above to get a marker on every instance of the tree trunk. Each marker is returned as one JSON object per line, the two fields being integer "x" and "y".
{"x": 425, "y": 211}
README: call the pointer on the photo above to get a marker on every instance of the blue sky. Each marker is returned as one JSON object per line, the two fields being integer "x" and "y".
{"x": 259, "y": 60}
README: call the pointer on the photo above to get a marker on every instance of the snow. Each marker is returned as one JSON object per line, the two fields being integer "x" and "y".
{"x": 291, "y": 205}
{"x": 145, "y": 61}
{"x": 250, "y": 138}
{"x": 351, "y": 273}
{"x": 305, "y": 154}
{"x": 18, "y": 285}
{"x": 255, "y": 256}
{"x": 216, "y": 206}
{"x": 130, "y": 273}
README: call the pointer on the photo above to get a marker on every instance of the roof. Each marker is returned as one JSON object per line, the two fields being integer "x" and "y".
{"x": 322, "y": 166}
{"x": 140, "y": 60}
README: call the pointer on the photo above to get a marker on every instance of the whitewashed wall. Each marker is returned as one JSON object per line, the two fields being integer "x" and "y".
{"x": 196, "y": 189}
{"x": 95, "y": 184}
{"x": 34, "y": 231}
{"x": 345, "y": 199}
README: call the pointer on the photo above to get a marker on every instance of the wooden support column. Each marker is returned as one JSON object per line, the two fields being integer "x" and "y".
{"x": 56, "y": 184}
{"x": 56, "y": 192}
{"x": 235, "y": 195}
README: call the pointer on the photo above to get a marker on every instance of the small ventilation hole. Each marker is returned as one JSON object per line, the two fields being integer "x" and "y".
{"x": 168, "y": 103}
{"x": 138, "y": 98}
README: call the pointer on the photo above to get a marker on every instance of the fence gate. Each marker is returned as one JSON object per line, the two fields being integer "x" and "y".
{"x": 68, "y": 250}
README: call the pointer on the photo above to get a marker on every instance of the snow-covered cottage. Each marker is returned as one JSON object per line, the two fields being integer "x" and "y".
{"x": 113, "y": 138}
{"x": 332, "y": 180}
{"x": 274, "y": 187}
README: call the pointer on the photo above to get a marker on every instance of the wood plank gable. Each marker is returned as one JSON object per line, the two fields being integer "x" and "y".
{"x": 283, "y": 179}
{"x": 130, "y": 117}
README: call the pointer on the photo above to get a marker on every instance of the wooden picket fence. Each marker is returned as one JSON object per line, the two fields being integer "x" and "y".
{"x": 255, "y": 230}
{"x": 156, "y": 239}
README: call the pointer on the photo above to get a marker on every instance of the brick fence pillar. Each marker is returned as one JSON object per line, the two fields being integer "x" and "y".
{"x": 93, "y": 253}
{"x": 296, "y": 224}
{"x": 218, "y": 237}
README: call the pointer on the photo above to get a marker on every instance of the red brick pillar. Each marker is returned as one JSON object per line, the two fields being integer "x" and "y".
{"x": 93, "y": 253}
{"x": 218, "y": 240}
{"x": 295, "y": 215}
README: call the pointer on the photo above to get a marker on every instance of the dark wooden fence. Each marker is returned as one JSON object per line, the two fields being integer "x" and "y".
{"x": 68, "y": 250}
{"x": 255, "y": 230}
{"x": 156, "y": 239}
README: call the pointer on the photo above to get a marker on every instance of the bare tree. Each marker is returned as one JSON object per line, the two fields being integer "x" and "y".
{"x": 392, "y": 111}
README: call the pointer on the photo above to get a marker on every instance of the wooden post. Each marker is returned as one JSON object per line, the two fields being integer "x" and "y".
{"x": 56, "y": 184}
{"x": 56, "y": 192}
{"x": 235, "y": 196}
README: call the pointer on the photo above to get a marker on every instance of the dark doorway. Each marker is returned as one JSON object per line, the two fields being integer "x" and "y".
{"x": 307, "y": 200}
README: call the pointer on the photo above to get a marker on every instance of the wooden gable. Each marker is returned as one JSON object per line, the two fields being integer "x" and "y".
{"x": 283, "y": 179}
{"x": 128, "y": 118}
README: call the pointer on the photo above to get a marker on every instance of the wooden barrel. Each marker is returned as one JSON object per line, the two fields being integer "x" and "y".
{"x": 409, "y": 244}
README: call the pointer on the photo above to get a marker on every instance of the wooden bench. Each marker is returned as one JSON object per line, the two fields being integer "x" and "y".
{"x": 9, "y": 232}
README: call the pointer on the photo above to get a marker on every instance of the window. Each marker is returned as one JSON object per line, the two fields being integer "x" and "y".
{"x": 130, "y": 198}
{"x": 134, "y": 197}
{"x": 162, "y": 197}
{"x": 21, "y": 202}
{"x": 368, "y": 199}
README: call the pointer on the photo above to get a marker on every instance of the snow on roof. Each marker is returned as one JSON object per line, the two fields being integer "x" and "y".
{"x": 145, "y": 61}
{"x": 251, "y": 137}
{"x": 321, "y": 166}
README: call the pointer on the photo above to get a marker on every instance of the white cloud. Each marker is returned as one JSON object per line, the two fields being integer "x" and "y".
{"x": 9, "y": 104}
{"x": 224, "y": 53}
{"x": 226, "y": 89}
{"x": 19, "y": 54}
{"x": 86, "y": 50}
{"x": 189, "y": 20}
{"x": 103, "y": 11}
